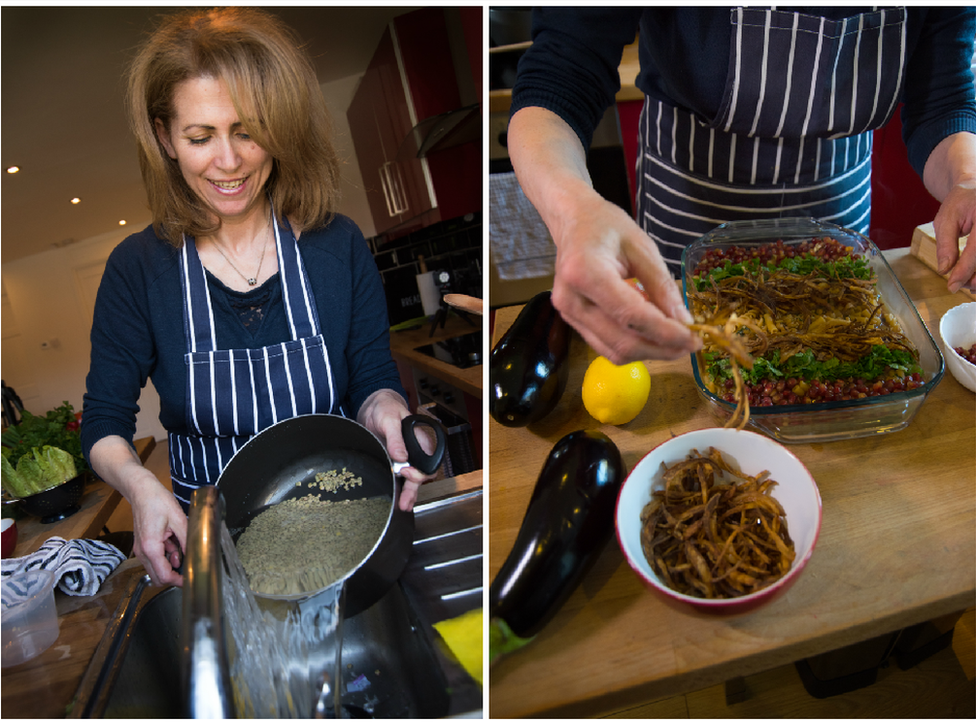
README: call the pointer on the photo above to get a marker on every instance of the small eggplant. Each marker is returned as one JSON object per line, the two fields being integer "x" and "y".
{"x": 569, "y": 519}
{"x": 528, "y": 367}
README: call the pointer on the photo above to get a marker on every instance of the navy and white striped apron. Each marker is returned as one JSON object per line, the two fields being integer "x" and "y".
{"x": 234, "y": 393}
{"x": 792, "y": 136}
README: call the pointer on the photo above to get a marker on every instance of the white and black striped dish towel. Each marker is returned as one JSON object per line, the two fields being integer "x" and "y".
{"x": 79, "y": 565}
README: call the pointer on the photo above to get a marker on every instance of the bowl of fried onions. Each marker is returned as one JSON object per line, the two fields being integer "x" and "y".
{"x": 722, "y": 520}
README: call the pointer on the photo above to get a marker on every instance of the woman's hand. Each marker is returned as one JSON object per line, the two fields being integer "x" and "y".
{"x": 950, "y": 176}
{"x": 598, "y": 247}
{"x": 159, "y": 525}
{"x": 158, "y": 522}
{"x": 382, "y": 413}
{"x": 957, "y": 218}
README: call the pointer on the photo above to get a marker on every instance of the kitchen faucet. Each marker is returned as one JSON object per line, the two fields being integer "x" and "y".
{"x": 205, "y": 668}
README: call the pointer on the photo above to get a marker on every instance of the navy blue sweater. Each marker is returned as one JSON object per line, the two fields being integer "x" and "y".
{"x": 571, "y": 67}
{"x": 138, "y": 334}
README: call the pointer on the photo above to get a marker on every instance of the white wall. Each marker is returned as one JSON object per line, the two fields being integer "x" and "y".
{"x": 48, "y": 298}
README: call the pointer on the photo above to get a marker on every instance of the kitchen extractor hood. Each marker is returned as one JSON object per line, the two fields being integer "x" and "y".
{"x": 442, "y": 131}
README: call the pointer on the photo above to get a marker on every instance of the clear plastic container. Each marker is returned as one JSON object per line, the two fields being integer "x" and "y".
{"x": 834, "y": 420}
{"x": 29, "y": 617}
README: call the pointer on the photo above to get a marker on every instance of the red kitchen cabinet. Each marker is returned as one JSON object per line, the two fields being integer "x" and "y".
{"x": 411, "y": 78}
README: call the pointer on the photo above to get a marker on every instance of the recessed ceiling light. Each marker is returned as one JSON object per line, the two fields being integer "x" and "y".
{"x": 13, "y": 169}
{"x": 76, "y": 201}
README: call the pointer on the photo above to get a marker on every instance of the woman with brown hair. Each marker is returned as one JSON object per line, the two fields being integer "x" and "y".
{"x": 248, "y": 300}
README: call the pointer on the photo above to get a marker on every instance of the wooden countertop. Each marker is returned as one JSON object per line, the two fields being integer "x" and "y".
{"x": 97, "y": 505}
{"x": 897, "y": 547}
{"x": 45, "y": 686}
{"x": 404, "y": 344}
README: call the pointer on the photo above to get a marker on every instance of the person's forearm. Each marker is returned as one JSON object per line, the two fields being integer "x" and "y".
{"x": 550, "y": 163}
{"x": 118, "y": 465}
{"x": 952, "y": 163}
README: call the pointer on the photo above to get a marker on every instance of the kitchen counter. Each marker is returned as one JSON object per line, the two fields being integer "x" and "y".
{"x": 404, "y": 344}
{"x": 44, "y": 687}
{"x": 896, "y": 546}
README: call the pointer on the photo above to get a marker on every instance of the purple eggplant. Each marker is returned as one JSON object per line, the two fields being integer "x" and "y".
{"x": 528, "y": 367}
{"x": 568, "y": 522}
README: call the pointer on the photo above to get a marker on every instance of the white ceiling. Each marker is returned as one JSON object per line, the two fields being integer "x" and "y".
{"x": 63, "y": 122}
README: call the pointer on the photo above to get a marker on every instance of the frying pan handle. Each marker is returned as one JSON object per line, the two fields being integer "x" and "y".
{"x": 417, "y": 457}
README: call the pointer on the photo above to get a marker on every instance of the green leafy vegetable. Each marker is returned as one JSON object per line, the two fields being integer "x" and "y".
{"x": 58, "y": 427}
{"x": 804, "y": 365}
{"x": 42, "y": 469}
{"x": 804, "y": 265}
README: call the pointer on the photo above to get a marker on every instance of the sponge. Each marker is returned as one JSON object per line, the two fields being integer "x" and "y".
{"x": 463, "y": 636}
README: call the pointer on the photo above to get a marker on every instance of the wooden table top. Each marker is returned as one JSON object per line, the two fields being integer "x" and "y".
{"x": 897, "y": 546}
{"x": 97, "y": 505}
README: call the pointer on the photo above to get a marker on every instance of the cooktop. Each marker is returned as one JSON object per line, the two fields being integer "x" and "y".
{"x": 461, "y": 351}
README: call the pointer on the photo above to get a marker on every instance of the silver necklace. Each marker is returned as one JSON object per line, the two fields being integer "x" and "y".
{"x": 253, "y": 280}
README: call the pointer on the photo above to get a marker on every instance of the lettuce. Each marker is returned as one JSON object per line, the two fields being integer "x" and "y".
{"x": 37, "y": 471}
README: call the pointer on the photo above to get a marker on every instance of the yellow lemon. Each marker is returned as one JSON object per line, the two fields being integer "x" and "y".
{"x": 615, "y": 394}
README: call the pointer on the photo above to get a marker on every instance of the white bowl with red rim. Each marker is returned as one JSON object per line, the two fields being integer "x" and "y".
{"x": 958, "y": 330}
{"x": 751, "y": 453}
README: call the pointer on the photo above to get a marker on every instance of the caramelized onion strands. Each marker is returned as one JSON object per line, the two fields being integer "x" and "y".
{"x": 725, "y": 337}
{"x": 712, "y": 538}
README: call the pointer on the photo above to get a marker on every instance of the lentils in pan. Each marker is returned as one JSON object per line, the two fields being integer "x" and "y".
{"x": 306, "y": 544}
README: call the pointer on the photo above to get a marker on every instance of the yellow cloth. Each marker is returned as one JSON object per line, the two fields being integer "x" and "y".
{"x": 463, "y": 636}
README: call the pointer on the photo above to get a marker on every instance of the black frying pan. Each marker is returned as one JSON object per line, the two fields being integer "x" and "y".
{"x": 278, "y": 463}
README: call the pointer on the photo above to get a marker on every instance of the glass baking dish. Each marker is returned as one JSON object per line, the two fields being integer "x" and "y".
{"x": 833, "y": 420}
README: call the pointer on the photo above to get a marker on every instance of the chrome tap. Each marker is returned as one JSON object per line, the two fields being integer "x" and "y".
{"x": 205, "y": 667}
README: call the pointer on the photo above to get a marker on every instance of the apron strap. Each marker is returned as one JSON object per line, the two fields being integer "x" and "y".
{"x": 198, "y": 323}
{"x": 299, "y": 304}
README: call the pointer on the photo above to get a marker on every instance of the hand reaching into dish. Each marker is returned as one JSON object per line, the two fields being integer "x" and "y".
{"x": 598, "y": 247}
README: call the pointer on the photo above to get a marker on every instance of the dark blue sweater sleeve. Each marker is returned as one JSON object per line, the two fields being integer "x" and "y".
{"x": 572, "y": 66}
{"x": 123, "y": 347}
{"x": 939, "y": 96}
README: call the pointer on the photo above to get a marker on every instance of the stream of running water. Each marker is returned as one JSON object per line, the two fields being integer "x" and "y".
{"x": 278, "y": 650}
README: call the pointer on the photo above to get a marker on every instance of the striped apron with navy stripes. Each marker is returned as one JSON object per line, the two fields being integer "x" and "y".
{"x": 234, "y": 393}
{"x": 792, "y": 135}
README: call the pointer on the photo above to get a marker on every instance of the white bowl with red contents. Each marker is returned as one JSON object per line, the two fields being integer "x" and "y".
{"x": 796, "y": 491}
{"x": 958, "y": 331}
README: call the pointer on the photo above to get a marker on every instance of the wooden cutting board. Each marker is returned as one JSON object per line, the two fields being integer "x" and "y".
{"x": 923, "y": 248}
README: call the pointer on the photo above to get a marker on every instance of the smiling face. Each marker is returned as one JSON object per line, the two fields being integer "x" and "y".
{"x": 216, "y": 156}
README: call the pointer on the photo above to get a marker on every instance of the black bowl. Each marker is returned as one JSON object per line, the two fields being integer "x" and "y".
{"x": 57, "y": 503}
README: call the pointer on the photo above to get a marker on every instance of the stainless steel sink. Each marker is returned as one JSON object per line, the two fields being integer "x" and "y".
{"x": 393, "y": 664}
